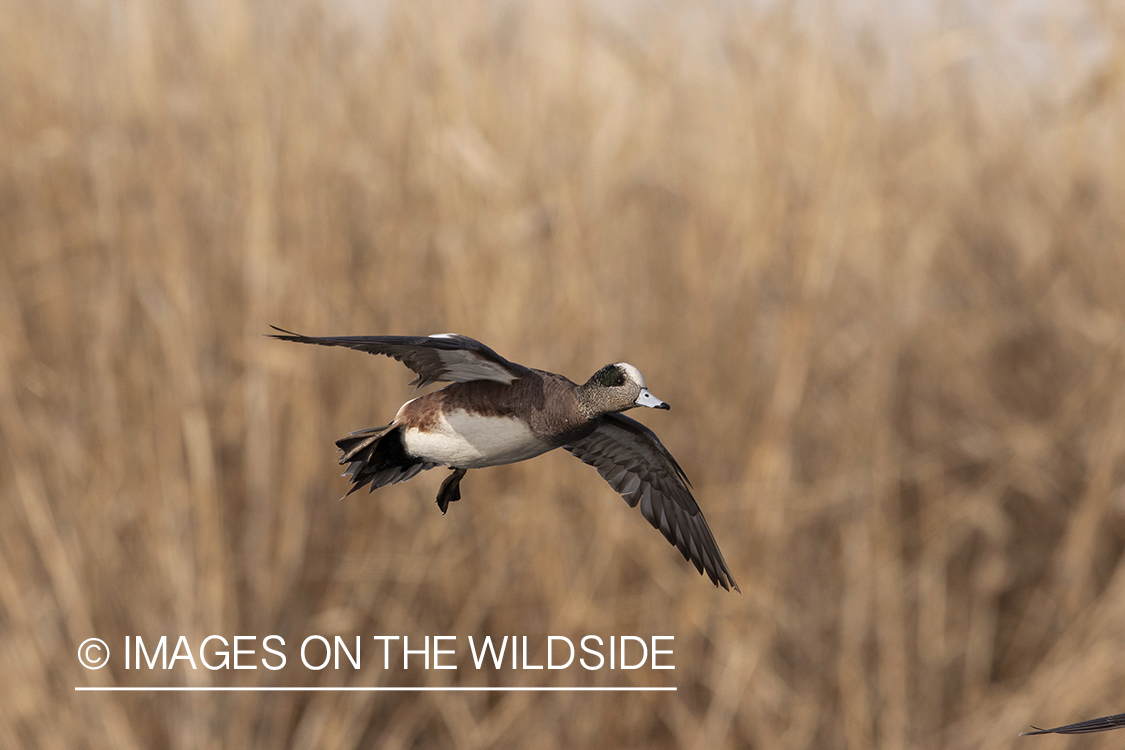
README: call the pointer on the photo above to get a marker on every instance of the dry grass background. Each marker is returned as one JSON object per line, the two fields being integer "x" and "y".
{"x": 884, "y": 293}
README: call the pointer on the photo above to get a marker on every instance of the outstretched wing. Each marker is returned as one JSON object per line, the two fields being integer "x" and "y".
{"x": 448, "y": 357}
{"x": 1103, "y": 724}
{"x": 632, "y": 459}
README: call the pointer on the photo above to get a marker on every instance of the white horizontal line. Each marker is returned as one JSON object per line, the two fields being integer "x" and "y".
{"x": 373, "y": 689}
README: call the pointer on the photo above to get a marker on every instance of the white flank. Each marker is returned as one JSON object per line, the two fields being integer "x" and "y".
{"x": 470, "y": 441}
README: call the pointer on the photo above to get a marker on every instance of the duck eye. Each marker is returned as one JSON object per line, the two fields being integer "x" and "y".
{"x": 612, "y": 377}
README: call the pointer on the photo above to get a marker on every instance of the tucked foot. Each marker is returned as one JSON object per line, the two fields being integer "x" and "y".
{"x": 450, "y": 491}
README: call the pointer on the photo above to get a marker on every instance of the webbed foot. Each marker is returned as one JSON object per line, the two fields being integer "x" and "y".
{"x": 450, "y": 491}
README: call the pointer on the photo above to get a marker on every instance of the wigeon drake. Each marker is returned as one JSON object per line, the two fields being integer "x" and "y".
{"x": 497, "y": 412}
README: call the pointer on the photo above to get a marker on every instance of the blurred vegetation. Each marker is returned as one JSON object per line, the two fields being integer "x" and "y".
{"x": 882, "y": 284}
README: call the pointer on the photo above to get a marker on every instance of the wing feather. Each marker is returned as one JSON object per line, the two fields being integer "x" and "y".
{"x": 445, "y": 357}
{"x": 1103, "y": 724}
{"x": 633, "y": 461}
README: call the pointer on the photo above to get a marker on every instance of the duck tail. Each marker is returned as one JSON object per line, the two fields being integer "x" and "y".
{"x": 377, "y": 457}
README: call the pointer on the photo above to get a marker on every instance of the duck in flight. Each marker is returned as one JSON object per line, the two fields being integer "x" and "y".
{"x": 497, "y": 412}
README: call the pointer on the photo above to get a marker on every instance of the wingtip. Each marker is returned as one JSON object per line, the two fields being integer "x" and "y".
{"x": 727, "y": 582}
{"x": 282, "y": 330}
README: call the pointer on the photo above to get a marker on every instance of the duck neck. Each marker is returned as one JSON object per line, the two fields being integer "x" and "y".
{"x": 591, "y": 401}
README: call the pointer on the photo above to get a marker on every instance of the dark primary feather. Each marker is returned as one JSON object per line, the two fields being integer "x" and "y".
{"x": 635, "y": 463}
{"x": 449, "y": 357}
{"x": 1102, "y": 724}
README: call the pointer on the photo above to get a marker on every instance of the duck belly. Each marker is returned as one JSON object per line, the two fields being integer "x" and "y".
{"x": 471, "y": 441}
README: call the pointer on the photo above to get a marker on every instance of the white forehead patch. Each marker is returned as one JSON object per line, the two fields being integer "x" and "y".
{"x": 633, "y": 373}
